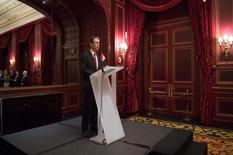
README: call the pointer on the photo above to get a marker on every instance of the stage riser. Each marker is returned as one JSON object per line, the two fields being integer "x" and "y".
{"x": 8, "y": 149}
{"x": 175, "y": 143}
{"x": 141, "y": 139}
{"x": 196, "y": 148}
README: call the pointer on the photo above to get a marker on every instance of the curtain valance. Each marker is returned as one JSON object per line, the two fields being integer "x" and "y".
{"x": 155, "y": 5}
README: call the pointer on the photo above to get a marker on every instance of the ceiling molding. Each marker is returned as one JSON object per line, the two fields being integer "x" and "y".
{"x": 14, "y": 13}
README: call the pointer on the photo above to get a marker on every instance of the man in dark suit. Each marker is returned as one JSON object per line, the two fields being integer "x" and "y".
{"x": 90, "y": 63}
{"x": 17, "y": 79}
{"x": 25, "y": 81}
{"x": 11, "y": 79}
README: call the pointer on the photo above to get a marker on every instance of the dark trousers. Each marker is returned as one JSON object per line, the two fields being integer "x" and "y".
{"x": 89, "y": 115}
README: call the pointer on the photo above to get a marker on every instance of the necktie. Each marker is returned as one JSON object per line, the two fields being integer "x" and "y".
{"x": 94, "y": 59}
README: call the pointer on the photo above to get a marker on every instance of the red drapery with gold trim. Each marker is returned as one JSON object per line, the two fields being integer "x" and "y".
{"x": 201, "y": 15}
{"x": 135, "y": 18}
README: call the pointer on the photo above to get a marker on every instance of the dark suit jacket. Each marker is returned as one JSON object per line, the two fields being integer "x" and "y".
{"x": 11, "y": 81}
{"x": 25, "y": 81}
{"x": 17, "y": 81}
{"x": 88, "y": 67}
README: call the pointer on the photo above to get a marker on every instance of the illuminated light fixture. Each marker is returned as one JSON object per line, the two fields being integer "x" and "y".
{"x": 36, "y": 59}
{"x": 123, "y": 48}
{"x": 12, "y": 61}
{"x": 204, "y": 0}
{"x": 225, "y": 44}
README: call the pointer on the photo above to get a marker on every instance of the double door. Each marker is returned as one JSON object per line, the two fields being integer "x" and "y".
{"x": 171, "y": 82}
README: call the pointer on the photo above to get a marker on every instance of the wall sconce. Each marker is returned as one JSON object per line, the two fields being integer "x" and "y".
{"x": 225, "y": 44}
{"x": 123, "y": 47}
{"x": 36, "y": 62}
{"x": 12, "y": 61}
{"x": 36, "y": 59}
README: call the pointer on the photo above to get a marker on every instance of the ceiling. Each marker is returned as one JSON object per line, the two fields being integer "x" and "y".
{"x": 14, "y": 13}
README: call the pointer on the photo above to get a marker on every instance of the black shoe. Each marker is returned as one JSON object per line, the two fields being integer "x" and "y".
{"x": 86, "y": 134}
{"x": 93, "y": 134}
{"x": 89, "y": 134}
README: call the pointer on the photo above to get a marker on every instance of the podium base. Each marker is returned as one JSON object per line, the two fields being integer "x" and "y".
{"x": 99, "y": 140}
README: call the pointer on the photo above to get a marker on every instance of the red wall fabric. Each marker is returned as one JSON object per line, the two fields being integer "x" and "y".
{"x": 203, "y": 37}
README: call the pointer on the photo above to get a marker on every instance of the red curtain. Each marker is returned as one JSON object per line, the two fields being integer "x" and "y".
{"x": 4, "y": 40}
{"x": 22, "y": 36}
{"x": 31, "y": 48}
{"x": 48, "y": 34}
{"x": 135, "y": 21}
{"x": 48, "y": 28}
{"x": 201, "y": 15}
{"x": 155, "y": 5}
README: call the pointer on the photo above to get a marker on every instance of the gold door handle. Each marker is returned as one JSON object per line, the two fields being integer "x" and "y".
{"x": 171, "y": 90}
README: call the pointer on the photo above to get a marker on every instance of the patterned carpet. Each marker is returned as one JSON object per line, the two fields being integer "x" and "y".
{"x": 220, "y": 141}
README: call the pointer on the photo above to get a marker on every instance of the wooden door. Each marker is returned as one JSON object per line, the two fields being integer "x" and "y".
{"x": 171, "y": 86}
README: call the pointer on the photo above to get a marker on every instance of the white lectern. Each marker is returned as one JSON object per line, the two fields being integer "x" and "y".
{"x": 109, "y": 124}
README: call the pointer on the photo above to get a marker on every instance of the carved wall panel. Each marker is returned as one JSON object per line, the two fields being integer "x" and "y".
{"x": 223, "y": 106}
{"x": 158, "y": 64}
{"x": 183, "y": 64}
{"x": 223, "y": 74}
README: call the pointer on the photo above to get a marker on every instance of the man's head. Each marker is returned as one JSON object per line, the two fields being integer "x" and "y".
{"x": 25, "y": 73}
{"x": 95, "y": 43}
